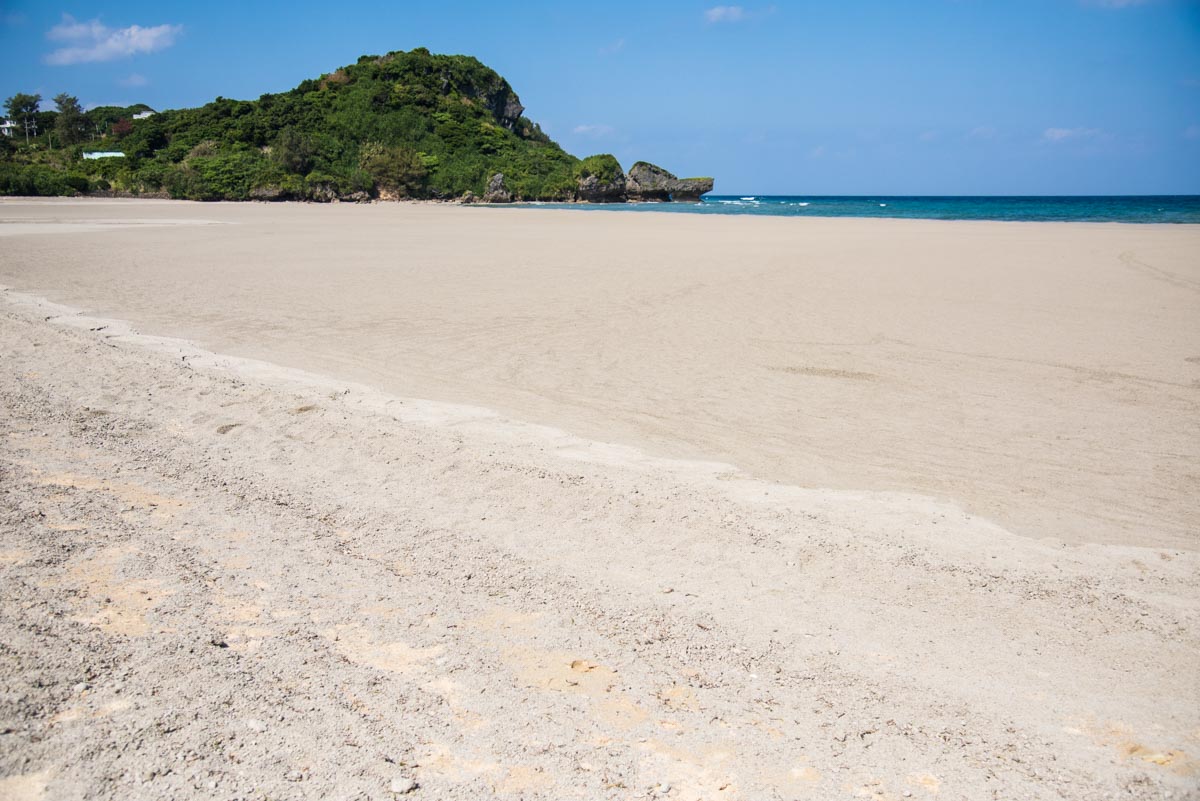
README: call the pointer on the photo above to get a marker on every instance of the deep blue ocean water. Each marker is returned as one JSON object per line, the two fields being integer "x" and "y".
{"x": 1126, "y": 209}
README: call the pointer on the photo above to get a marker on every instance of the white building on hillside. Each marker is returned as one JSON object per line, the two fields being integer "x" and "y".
{"x": 7, "y": 127}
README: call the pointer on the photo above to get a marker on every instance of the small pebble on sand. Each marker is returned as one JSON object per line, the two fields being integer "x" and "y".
{"x": 402, "y": 785}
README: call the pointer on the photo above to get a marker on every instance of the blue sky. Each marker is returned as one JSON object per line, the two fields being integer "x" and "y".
{"x": 835, "y": 97}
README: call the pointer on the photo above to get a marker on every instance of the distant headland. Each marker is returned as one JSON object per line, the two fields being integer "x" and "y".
{"x": 406, "y": 125}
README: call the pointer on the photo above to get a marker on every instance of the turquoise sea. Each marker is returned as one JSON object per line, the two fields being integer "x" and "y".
{"x": 1125, "y": 209}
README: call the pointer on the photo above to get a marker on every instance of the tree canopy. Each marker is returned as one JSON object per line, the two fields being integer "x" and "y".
{"x": 70, "y": 124}
{"x": 22, "y": 108}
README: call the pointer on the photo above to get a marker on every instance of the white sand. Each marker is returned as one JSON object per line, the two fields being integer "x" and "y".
{"x": 495, "y": 607}
{"x": 1043, "y": 375}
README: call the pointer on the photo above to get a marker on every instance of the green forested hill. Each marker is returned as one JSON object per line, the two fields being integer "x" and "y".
{"x": 408, "y": 124}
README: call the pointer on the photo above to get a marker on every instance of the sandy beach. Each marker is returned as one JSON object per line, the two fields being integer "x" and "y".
{"x": 306, "y": 501}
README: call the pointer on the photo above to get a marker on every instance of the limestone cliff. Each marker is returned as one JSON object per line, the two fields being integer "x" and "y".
{"x": 648, "y": 182}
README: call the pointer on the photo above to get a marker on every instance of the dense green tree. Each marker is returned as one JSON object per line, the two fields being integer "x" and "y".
{"x": 604, "y": 166}
{"x": 70, "y": 125}
{"x": 398, "y": 170}
{"x": 22, "y": 108}
{"x": 294, "y": 151}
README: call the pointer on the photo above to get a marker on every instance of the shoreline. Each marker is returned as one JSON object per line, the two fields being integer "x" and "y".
{"x": 583, "y": 205}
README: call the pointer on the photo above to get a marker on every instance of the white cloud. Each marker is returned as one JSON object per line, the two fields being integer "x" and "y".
{"x": 133, "y": 79}
{"x": 93, "y": 41}
{"x": 725, "y": 14}
{"x": 615, "y": 47}
{"x": 982, "y": 132}
{"x": 1065, "y": 134}
{"x": 592, "y": 130}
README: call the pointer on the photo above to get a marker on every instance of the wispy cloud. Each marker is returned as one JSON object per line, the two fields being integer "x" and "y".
{"x": 982, "y": 132}
{"x": 614, "y": 47}
{"x": 1068, "y": 134}
{"x": 92, "y": 41}
{"x": 724, "y": 14}
{"x": 929, "y": 136}
{"x": 592, "y": 130}
{"x": 133, "y": 79}
{"x": 1192, "y": 132}
{"x": 1115, "y": 3}
{"x": 817, "y": 152}
{"x": 718, "y": 15}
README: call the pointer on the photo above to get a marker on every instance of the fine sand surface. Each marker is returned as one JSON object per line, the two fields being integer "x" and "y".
{"x": 736, "y": 509}
{"x": 1045, "y": 376}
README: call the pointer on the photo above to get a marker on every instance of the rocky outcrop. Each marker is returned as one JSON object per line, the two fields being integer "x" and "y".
{"x": 648, "y": 182}
{"x": 269, "y": 193}
{"x": 512, "y": 110}
{"x": 591, "y": 189}
{"x": 321, "y": 192}
{"x": 499, "y": 98}
{"x": 690, "y": 189}
{"x": 497, "y": 192}
{"x": 600, "y": 179}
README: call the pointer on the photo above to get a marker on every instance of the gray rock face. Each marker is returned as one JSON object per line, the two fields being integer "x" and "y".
{"x": 691, "y": 188}
{"x": 497, "y": 192}
{"x": 649, "y": 182}
{"x": 269, "y": 193}
{"x": 322, "y": 193}
{"x": 512, "y": 110}
{"x": 502, "y": 101}
{"x": 591, "y": 189}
